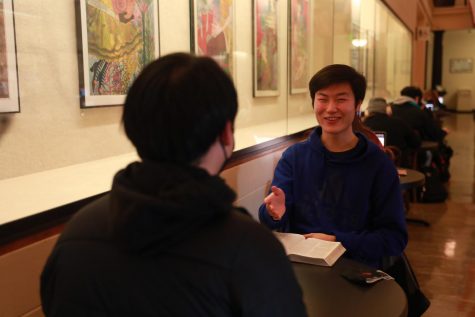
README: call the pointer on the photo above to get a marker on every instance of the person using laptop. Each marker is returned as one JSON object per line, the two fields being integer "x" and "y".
{"x": 167, "y": 240}
{"x": 337, "y": 185}
{"x": 407, "y": 107}
{"x": 398, "y": 133}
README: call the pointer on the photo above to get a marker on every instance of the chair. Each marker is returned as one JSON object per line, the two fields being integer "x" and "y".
{"x": 400, "y": 268}
{"x": 394, "y": 154}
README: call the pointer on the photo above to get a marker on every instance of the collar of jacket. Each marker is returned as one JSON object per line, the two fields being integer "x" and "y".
{"x": 359, "y": 152}
{"x": 405, "y": 100}
{"x": 155, "y": 205}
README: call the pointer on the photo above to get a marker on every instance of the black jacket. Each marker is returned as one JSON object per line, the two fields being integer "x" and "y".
{"x": 166, "y": 241}
{"x": 398, "y": 133}
{"x": 409, "y": 112}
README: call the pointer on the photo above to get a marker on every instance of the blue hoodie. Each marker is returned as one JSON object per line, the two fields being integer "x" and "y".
{"x": 354, "y": 195}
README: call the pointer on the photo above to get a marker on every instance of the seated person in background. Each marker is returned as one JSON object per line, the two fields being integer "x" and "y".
{"x": 398, "y": 133}
{"x": 432, "y": 96}
{"x": 337, "y": 185}
{"x": 407, "y": 108}
{"x": 167, "y": 241}
{"x": 431, "y": 105}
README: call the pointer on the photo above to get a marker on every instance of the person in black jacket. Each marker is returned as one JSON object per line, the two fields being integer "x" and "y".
{"x": 398, "y": 132}
{"x": 166, "y": 240}
{"x": 407, "y": 108}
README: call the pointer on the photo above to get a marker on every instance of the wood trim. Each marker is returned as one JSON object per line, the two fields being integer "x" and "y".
{"x": 22, "y": 232}
{"x": 30, "y": 239}
{"x": 26, "y": 231}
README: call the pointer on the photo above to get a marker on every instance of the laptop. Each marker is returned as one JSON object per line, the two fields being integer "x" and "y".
{"x": 381, "y": 136}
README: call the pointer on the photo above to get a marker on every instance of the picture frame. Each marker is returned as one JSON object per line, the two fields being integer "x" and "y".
{"x": 117, "y": 39}
{"x": 212, "y": 31}
{"x": 9, "y": 87}
{"x": 266, "y": 70}
{"x": 299, "y": 45}
{"x": 461, "y": 65}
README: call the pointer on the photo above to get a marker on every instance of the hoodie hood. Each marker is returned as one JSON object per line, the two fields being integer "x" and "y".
{"x": 157, "y": 205}
{"x": 359, "y": 152}
{"x": 405, "y": 99}
{"x": 333, "y": 164}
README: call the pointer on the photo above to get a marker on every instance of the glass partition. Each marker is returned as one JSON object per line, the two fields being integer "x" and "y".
{"x": 273, "y": 49}
{"x": 393, "y": 54}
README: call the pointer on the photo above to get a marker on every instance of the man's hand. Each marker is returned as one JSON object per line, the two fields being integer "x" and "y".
{"x": 321, "y": 236}
{"x": 275, "y": 203}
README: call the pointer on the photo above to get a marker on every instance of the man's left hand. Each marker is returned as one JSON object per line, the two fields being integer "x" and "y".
{"x": 321, "y": 236}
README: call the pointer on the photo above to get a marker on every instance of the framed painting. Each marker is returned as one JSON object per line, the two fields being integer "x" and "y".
{"x": 212, "y": 30}
{"x": 118, "y": 38}
{"x": 266, "y": 53}
{"x": 461, "y": 65}
{"x": 9, "y": 97}
{"x": 299, "y": 45}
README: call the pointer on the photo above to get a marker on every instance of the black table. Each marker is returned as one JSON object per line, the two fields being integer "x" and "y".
{"x": 412, "y": 180}
{"x": 326, "y": 293}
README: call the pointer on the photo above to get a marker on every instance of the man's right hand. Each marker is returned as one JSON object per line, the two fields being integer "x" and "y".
{"x": 275, "y": 203}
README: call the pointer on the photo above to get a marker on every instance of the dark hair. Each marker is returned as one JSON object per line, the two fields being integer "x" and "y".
{"x": 177, "y": 107}
{"x": 337, "y": 74}
{"x": 411, "y": 91}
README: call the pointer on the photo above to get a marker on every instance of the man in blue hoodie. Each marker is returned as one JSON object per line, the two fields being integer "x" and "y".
{"x": 337, "y": 185}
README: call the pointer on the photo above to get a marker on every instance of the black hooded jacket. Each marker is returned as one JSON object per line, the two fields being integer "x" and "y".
{"x": 166, "y": 241}
{"x": 407, "y": 110}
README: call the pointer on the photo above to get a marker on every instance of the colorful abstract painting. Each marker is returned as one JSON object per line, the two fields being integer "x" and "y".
{"x": 9, "y": 101}
{"x": 119, "y": 38}
{"x": 299, "y": 45}
{"x": 213, "y": 31}
{"x": 266, "y": 57}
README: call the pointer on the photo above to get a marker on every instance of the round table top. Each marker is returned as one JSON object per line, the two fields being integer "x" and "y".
{"x": 413, "y": 179}
{"x": 327, "y": 293}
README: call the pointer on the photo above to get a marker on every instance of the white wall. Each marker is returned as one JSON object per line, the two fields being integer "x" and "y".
{"x": 458, "y": 44}
{"x": 54, "y": 152}
{"x": 51, "y": 130}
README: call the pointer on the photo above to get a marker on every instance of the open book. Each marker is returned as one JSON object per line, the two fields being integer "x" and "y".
{"x": 312, "y": 251}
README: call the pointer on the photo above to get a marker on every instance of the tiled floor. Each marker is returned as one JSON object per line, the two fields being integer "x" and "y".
{"x": 443, "y": 255}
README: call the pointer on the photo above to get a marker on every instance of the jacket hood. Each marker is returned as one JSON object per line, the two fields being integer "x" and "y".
{"x": 157, "y": 205}
{"x": 405, "y": 99}
{"x": 363, "y": 148}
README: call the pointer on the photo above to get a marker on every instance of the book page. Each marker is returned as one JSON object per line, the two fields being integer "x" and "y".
{"x": 314, "y": 248}
{"x": 289, "y": 240}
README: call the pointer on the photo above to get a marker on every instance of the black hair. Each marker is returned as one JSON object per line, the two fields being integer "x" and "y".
{"x": 411, "y": 91}
{"x": 177, "y": 107}
{"x": 337, "y": 74}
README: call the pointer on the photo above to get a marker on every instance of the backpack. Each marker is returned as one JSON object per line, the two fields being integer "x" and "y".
{"x": 433, "y": 190}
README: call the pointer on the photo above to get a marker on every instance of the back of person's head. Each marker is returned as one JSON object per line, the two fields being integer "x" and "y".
{"x": 177, "y": 107}
{"x": 412, "y": 91}
{"x": 377, "y": 105}
{"x": 338, "y": 74}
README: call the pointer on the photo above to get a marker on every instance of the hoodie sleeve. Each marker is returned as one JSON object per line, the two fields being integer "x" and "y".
{"x": 283, "y": 178}
{"x": 386, "y": 232}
